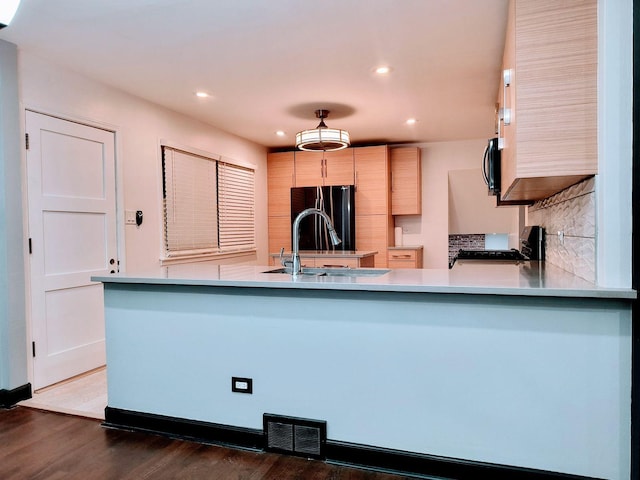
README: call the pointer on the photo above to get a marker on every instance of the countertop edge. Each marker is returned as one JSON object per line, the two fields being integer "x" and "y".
{"x": 596, "y": 293}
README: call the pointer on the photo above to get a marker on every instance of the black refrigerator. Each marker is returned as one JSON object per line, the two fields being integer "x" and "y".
{"x": 338, "y": 202}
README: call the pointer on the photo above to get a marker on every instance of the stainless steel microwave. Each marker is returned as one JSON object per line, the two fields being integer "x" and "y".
{"x": 491, "y": 166}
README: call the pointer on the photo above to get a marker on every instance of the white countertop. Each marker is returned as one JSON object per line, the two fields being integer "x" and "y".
{"x": 528, "y": 279}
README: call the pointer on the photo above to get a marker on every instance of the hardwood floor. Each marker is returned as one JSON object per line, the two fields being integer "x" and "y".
{"x": 37, "y": 445}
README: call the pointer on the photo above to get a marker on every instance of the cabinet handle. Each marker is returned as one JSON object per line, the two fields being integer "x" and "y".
{"x": 401, "y": 256}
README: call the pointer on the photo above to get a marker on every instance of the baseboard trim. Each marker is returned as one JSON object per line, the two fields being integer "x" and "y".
{"x": 355, "y": 455}
{"x": 401, "y": 462}
{"x": 8, "y": 398}
{"x": 184, "y": 428}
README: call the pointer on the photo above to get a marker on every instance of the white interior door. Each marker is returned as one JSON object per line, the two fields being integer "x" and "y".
{"x": 72, "y": 230}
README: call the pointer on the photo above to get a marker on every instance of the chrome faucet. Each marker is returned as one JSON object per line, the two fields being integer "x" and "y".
{"x": 296, "y": 267}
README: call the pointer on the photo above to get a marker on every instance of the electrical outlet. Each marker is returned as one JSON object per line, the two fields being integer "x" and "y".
{"x": 561, "y": 237}
{"x": 242, "y": 385}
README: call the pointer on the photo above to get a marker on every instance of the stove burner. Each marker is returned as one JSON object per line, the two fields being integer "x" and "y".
{"x": 512, "y": 254}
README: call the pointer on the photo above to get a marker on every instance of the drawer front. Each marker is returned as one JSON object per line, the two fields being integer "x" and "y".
{"x": 402, "y": 255}
{"x": 337, "y": 262}
{"x": 402, "y": 264}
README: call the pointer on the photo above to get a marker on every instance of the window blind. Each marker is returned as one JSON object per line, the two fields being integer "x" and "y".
{"x": 209, "y": 205}
{"x": 236, "y": 211}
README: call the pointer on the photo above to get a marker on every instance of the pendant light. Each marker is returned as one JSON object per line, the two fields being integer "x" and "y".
{"x": 8, "y": 9}
{"x": 322, "y": 138}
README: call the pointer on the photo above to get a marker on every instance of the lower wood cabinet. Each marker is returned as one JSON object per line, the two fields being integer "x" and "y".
{"x": 329, "y": 260}
{"x": 373, "y": 233}
{"x": 405, "y": 257}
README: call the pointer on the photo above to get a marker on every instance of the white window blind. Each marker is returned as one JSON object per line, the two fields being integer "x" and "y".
{"x": 236, "y": 212}
{"x": 209, "y": 206}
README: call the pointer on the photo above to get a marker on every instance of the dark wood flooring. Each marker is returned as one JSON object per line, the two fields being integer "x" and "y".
{"x": 36, "y": 444}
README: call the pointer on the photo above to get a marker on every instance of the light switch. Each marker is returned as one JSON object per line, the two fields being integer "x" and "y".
{"x": 129, "y": 217}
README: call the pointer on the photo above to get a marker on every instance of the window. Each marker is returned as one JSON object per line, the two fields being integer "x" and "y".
{"x": 208, "y": 205}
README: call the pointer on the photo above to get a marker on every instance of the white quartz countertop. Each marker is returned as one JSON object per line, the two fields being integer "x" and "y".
{"x": 528, "y": 279}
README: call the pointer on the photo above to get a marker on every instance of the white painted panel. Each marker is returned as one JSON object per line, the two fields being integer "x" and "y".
{"x": 74, "y": 318}
{"x": 72, "y": 166}
{"x": 74, "y": 242}
{"x": 514, "y": 381}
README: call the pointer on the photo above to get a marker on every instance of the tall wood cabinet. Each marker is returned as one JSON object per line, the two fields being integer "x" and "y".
{"x": 280, "y": 179}
{"x": 374, "y": 223}
{"x": 551, "y": 56}
{"x": 406, "y": 181}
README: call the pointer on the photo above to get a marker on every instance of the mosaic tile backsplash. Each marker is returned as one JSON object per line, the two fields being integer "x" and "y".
{"x": 573, "y": 212}
{"x": 465, "y": 242}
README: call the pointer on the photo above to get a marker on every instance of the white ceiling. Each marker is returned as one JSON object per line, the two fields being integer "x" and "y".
{"x": 268, "y": 64}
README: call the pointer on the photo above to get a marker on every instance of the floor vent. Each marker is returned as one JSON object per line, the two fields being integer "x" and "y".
{"x": 295, "y": 436}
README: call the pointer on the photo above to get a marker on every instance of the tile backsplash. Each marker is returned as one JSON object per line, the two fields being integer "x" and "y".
{"x": 465, "y": 242}
{"x": 571, "y": 212}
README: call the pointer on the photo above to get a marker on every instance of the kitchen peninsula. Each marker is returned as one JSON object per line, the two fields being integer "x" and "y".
{"x": 506, "y": 367}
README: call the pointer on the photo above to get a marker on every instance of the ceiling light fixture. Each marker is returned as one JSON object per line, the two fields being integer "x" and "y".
{"x": 8, "y": 9}
{"x": 322, "y": 138}
{"x": 411, "y": 121}
{"x": 383, "y": 70}
{"x": 280, "y": 133}
{"x": 202, "y": 94}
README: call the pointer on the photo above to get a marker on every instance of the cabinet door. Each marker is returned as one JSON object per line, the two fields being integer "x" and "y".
{"x": 309, "y": 169}
{"x": 339, "y": 168}
{"x": 279, "y": 233}
{"x": 279, "y": 183}
{"x": 372, "y": 181}
{"x": 373, "y": 233}
{"x": 553, "y": 53}
{"x": 406, "y": 181}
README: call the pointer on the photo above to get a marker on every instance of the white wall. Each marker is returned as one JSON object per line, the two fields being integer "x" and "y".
{"x": 432, "y": 228}
{"x": 615, "y": 132}
{"x": 13, "y": 340}
{"x": 139, "y": 126}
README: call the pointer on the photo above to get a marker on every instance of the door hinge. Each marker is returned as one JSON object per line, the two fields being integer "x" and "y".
{"x": 30, "y": 247}
{"x": 26, "y": 140}
{"x": 33, "y": 348}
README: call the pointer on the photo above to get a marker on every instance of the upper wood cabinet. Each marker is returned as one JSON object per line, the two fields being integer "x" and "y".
{"x": 406, "y": 181}
{"x": 324, "y": 168}
{"x": 551, "y": 54}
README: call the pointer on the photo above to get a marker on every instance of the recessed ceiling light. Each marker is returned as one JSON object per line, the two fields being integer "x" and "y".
{"x": 411, "y": 121}
{"x": 280, "y": 133}
{"x": 202, "y": 94}
{"x": 383, "y": 70}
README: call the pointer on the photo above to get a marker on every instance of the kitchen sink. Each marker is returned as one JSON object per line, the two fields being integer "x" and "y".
{"x": 335, "y": 272}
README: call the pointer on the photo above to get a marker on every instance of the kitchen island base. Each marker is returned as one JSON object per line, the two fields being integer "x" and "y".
{"x": 538, "y": 383}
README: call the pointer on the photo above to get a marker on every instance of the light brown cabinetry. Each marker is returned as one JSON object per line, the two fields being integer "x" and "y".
{"x": 280, "y": 178}
{"x": 374, "y": 223}
{"x": 330, "y": 260}
{"x": 406, "y": 181}
{"x": 551, "y": 54}
{"x": 324, "y": 168}
{"x": 405, "y": 257}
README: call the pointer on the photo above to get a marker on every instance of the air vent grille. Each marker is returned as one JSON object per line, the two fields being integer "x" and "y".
{"x": 295, "y": 436}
